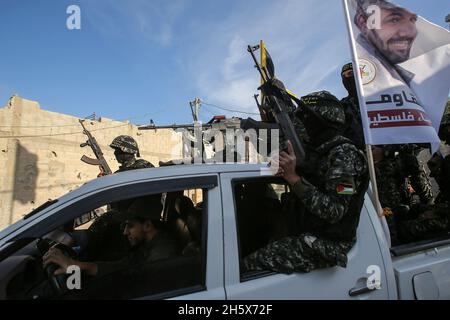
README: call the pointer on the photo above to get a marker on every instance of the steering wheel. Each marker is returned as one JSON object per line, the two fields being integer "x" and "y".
{"x": 57, "y": 282}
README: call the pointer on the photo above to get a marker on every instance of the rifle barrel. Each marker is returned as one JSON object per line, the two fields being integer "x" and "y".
{"x": 173, "y": 126}
{"x": 257, "y": 66}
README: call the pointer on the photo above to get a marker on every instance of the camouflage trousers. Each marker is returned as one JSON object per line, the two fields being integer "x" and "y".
{"x": 302, "y": 253}
{"x": 421, "y": 222}
{"x": 423, "y": 228}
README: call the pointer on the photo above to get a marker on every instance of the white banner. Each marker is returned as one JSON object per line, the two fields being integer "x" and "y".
{"x": 404, "y": 64}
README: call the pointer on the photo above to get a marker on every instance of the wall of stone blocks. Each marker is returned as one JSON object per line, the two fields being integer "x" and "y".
{"x": 40, "y": 154}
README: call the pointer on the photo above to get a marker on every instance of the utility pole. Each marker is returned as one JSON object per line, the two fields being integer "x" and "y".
{"x": 195, "y": 106}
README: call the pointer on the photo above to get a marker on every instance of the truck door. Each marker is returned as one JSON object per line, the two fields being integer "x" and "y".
{"x": 422, "y": 269}
{"x": 195, "y": 271}
{"x": 246, "y": 227}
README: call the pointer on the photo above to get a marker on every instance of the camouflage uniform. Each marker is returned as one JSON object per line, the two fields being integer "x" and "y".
{"x": 394, "y": 173}
{"x": 425, "y": 222}
{"x": 444, "y": 129}
{"x": 353, "y": 128}
{"x": 433, "y": 220}
{"x": 444, "y": 184}
{"x": 129, "y": 146}
{"x": 135, "y": 164}
{"x": 443, "y": 173}
{"x": 399, "y": 168}
{"x": 325, "y": 203}
{"x": 392, "y": 192}
{"x": 411, "y": 167}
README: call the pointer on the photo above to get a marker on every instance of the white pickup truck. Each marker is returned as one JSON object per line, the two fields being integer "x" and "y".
{"x": 236, "y": 208}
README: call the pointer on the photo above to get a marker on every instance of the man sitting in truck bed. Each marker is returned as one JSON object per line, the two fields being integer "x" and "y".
{"x": 328, "y": 196}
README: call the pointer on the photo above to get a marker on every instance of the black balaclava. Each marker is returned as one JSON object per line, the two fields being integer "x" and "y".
{"x": 317, "y": 128}
{"x": 349, "y": 82}
{"x": 123, "y": 157}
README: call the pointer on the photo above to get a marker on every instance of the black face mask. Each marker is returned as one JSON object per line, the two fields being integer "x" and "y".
{"x": 350, "y": 84}
{"x": 123, "y": 157}
{"x": 317, "y": 129}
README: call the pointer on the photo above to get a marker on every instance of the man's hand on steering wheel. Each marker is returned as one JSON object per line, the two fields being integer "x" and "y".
{"x": 54, "y": 255}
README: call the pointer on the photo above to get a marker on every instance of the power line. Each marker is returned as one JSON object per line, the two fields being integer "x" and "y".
{"x": 47, "y": 126}
{"x": 209, "y": 111}
{"x": 61, "y": 134}
{"x": 228, "y": 109}
{"x": 77, "y": 125}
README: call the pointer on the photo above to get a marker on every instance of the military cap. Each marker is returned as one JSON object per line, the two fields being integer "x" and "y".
{"x": 125, "y": 143}
{"x": 325, "y": 105}
{"x": 346, "y": 67}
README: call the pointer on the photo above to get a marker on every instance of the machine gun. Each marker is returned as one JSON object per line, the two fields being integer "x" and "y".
{"x": 100, "y": 161}
{"x": 277, "y": 104}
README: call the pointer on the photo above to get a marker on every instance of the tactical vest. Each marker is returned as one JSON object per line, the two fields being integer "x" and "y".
{"x": 137, "y": 164}
{"x": 299, "y": 220}
{"x": 353, "y": 129}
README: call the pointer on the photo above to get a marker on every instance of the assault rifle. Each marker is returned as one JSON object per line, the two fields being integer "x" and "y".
{"x": 277, "y": 103}
{"x": 100, "y": 161}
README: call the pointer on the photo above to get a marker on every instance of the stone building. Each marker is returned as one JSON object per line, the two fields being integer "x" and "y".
{"x": 40, "y": 153}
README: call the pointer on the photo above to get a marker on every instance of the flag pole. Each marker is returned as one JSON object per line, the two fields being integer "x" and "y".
{"x": 365, "y": 122}
{"x": 262, "y": 52}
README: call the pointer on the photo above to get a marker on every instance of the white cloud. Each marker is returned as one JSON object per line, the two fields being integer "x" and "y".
{"x": 307, "y": 40}
{"x": 152, "y": 20}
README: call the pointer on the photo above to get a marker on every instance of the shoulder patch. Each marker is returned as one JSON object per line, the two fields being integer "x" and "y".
{"x": 345, "y": 189}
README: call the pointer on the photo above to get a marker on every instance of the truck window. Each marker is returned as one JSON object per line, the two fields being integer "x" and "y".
{"x": 259, "y": 214}
{"x": 409, "y": 188}
{"x": 151, "y": 246}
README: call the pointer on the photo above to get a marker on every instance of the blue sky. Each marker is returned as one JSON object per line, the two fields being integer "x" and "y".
{"x": 142, "y": 59}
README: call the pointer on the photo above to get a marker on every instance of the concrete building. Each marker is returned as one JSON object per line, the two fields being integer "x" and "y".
{"x": 40, "y": 153}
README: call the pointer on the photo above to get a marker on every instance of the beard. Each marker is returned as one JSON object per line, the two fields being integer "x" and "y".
{"x": 395, "y": 50}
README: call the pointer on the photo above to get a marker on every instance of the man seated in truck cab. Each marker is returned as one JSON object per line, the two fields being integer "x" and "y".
{"x": 146, "y": 235}
{"x": 106, "y": 242}
{"x": 328, "y": 196}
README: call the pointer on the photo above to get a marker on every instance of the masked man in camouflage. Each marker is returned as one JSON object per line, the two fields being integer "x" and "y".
{"x": 105, "y": 238}
{"x": 326, "y": 201}
{"x": 353, "y": 129}
{"x": 433, "y": 221}
{"x": 439, "y": 164}
{"x": 424, "y": 221}
{"x": 400, "y": 161}
{"x": 126, "y": 150}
